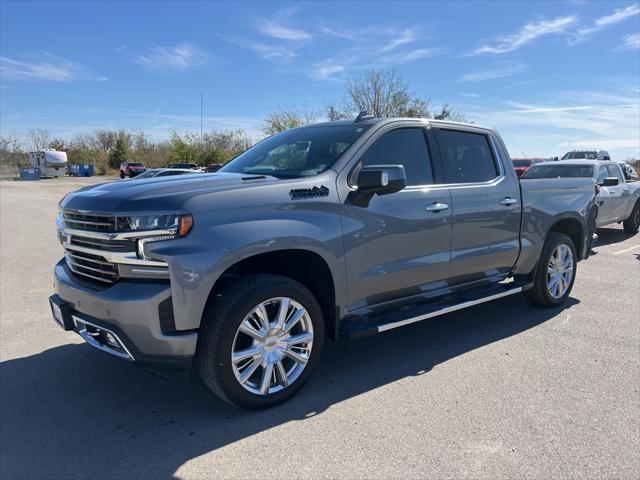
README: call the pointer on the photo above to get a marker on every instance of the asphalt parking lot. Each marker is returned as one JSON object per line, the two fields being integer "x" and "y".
{"x": 503, "y": 390}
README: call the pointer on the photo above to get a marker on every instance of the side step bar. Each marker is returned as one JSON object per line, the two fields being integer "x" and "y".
{"x": 361, "y": 327}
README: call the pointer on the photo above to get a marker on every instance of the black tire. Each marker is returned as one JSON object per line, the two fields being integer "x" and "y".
{"x": 632, "y": 224}
{"x": 221, "y": 320}
{"x": 540, "y": 294}
{"x": 121, "y": 175}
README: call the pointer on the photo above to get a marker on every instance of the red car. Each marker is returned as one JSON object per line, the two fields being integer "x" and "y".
{"x": 131, "y": 169}
{"x": 521, "y": 165}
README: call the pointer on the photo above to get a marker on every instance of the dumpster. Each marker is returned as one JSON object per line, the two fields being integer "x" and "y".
{"x": 81, "y": 170}
{"x": 30, "y": 173}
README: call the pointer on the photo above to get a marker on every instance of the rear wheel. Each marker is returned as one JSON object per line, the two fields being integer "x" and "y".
{"x": 121, "y": 175}
{"x": 632, "y": 224}
{"x": 556, "y": 271}
{"x": 260, "y": 340}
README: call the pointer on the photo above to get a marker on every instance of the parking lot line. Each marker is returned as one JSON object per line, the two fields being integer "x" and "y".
{"x": 626, "y": 250}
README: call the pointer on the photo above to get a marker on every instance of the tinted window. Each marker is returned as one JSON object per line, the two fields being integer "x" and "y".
{"x": 300, "y": 152}
{"x": 407, "y": 147}
{"x": 558, "y": 171}
{"x": 467, "y": 157}
{"x": 580, "y": 156}
{"x": 602, "y": 173}
{"x": 521, "y": 163}
{"x": 614, "y": 171}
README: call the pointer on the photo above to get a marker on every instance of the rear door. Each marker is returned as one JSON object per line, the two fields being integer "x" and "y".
{"x": 606, "y": 198}
{"x": 485, "y": 239}
{"x": 398, "y": 245}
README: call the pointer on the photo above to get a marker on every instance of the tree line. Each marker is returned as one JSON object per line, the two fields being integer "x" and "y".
{"x": 382, "y": 93}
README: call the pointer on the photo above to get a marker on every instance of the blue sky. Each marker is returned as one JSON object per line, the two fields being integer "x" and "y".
{"x": 552, "y": 76}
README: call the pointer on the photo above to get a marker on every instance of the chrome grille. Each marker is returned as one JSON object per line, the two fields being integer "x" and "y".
{"x": 103, "y": 244}
{"x": 91, "y": 266}
{"x": 90, "y": 221}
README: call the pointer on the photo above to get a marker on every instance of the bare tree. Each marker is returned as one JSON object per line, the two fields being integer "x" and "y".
{"x": 380, "y": 93}
{"x": 11, "y": 155}
{"x": 106, "y": 139}
{"x": 284, "y": 118}
{"x": 383, "y": 93}
{"x": 38, "y": 138}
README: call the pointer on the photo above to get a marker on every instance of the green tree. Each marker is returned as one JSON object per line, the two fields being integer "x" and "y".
{"x": 121, "y": 152}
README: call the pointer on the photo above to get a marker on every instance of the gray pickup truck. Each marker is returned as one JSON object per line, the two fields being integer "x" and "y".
{"x": 336, "y": 229}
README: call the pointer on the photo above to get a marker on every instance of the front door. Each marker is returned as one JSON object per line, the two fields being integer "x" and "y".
{"x": 485, "y": 199}
{"x": 398, "y": 245}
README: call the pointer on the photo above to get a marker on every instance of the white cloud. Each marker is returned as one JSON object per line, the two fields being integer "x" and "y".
{"x": 46, "y": 68}
{"x": 631, "y": 41}
{"x": 618, "y": 15}
{"x": 326, "y": 70}
{"x": 527, "y": 34}
{"x": 404, "y": 37}
{"x": 412, "y": 55}
{"x": 492, "y": 74}
{"x": 120, "y": 48}
{"x": 567, "y": 119}
{"x": 179, "y": 57}
{"x": 278, "y": 53}
{"x": 279, "y": 26}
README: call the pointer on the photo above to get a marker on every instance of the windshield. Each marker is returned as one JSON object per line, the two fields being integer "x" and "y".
{"x": 521, "y": 163}
{"x": 182, "y": 165}
{"x": 559, "y": 171}
{"x": 580, "y": 156}
{"x": 135, "y": 165}
{"x": 296, "y": 153}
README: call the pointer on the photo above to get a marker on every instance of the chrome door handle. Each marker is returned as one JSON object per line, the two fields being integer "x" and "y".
{"x": 508, "y": 201}
{"x": 436, "y": 207}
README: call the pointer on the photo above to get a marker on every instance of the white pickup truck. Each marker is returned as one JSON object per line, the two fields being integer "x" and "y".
{"x": 618, "y": 200}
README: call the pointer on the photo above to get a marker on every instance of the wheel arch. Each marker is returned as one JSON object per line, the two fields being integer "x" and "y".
{"x": 574, "y": 229}
{"x": 304, "y": 266}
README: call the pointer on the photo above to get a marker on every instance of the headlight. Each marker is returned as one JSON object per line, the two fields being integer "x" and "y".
{"x": 149, "y": 222}
{"x": 167, "y": 227}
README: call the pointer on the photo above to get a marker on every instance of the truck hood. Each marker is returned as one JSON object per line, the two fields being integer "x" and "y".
{"x": 156, "y": 194}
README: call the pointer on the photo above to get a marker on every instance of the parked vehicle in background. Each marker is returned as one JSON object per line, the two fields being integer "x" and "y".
{"x": 131, "y": 169}
{"x": 586, "y": 155}
{"x": 618, "y": 200}
{"x": 630, "y": 173}
{"x": 521, "y": 165}
{"x": 165, "y": 172}
{"x": 213, "y": 167}
{"x": 188, "y": 166}
{"x": 52, "y": 163}
{"x": 242, "y": 274}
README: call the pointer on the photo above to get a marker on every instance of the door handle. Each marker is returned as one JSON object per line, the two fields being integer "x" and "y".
{"x": 508, "y": 201}
{"x": 436, "y": 207}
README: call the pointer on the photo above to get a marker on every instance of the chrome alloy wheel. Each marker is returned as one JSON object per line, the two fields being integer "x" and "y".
{"x": 560, "y": 271}
{"x": 272, "y": 346}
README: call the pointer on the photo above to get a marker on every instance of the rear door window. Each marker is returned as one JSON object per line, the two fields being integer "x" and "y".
{"x": 467, "y": 157}
{"x": 404, "y": 146}
{"x": 614, "y": 171}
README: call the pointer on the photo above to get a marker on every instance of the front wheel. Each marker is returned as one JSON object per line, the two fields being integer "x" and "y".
{"x": 556, "y": 271}
{"x": 632, "y": 224}
{"x": 260, "y": 340}
{"x": 121, "y": 175}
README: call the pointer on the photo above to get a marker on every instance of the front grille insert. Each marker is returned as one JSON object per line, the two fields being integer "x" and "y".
{"x": 92, "y": 266}
{"x": 103, "y": 244}
{"x": 90, "y": 221}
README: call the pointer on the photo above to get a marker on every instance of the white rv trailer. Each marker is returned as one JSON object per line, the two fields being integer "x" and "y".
{"x": 50, "y": 162}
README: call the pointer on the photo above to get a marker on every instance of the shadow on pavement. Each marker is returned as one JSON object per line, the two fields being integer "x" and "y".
{"x": 607, "y": 236}
{"x": 73, "y": 412}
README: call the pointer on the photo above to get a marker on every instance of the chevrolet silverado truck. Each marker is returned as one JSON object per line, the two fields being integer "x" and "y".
{"x": 618, "y": 200}
{"x": 346, "y": 228}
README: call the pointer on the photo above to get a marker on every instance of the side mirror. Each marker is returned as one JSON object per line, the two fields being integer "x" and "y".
{"x": 381, "y": 179}
{"x": 607, "y": 157}
{"x": 610, "y": 182}
{"x": 555, "y": 159}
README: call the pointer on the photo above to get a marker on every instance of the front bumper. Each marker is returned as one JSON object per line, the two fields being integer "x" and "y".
{"x": 131, "y": 311}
